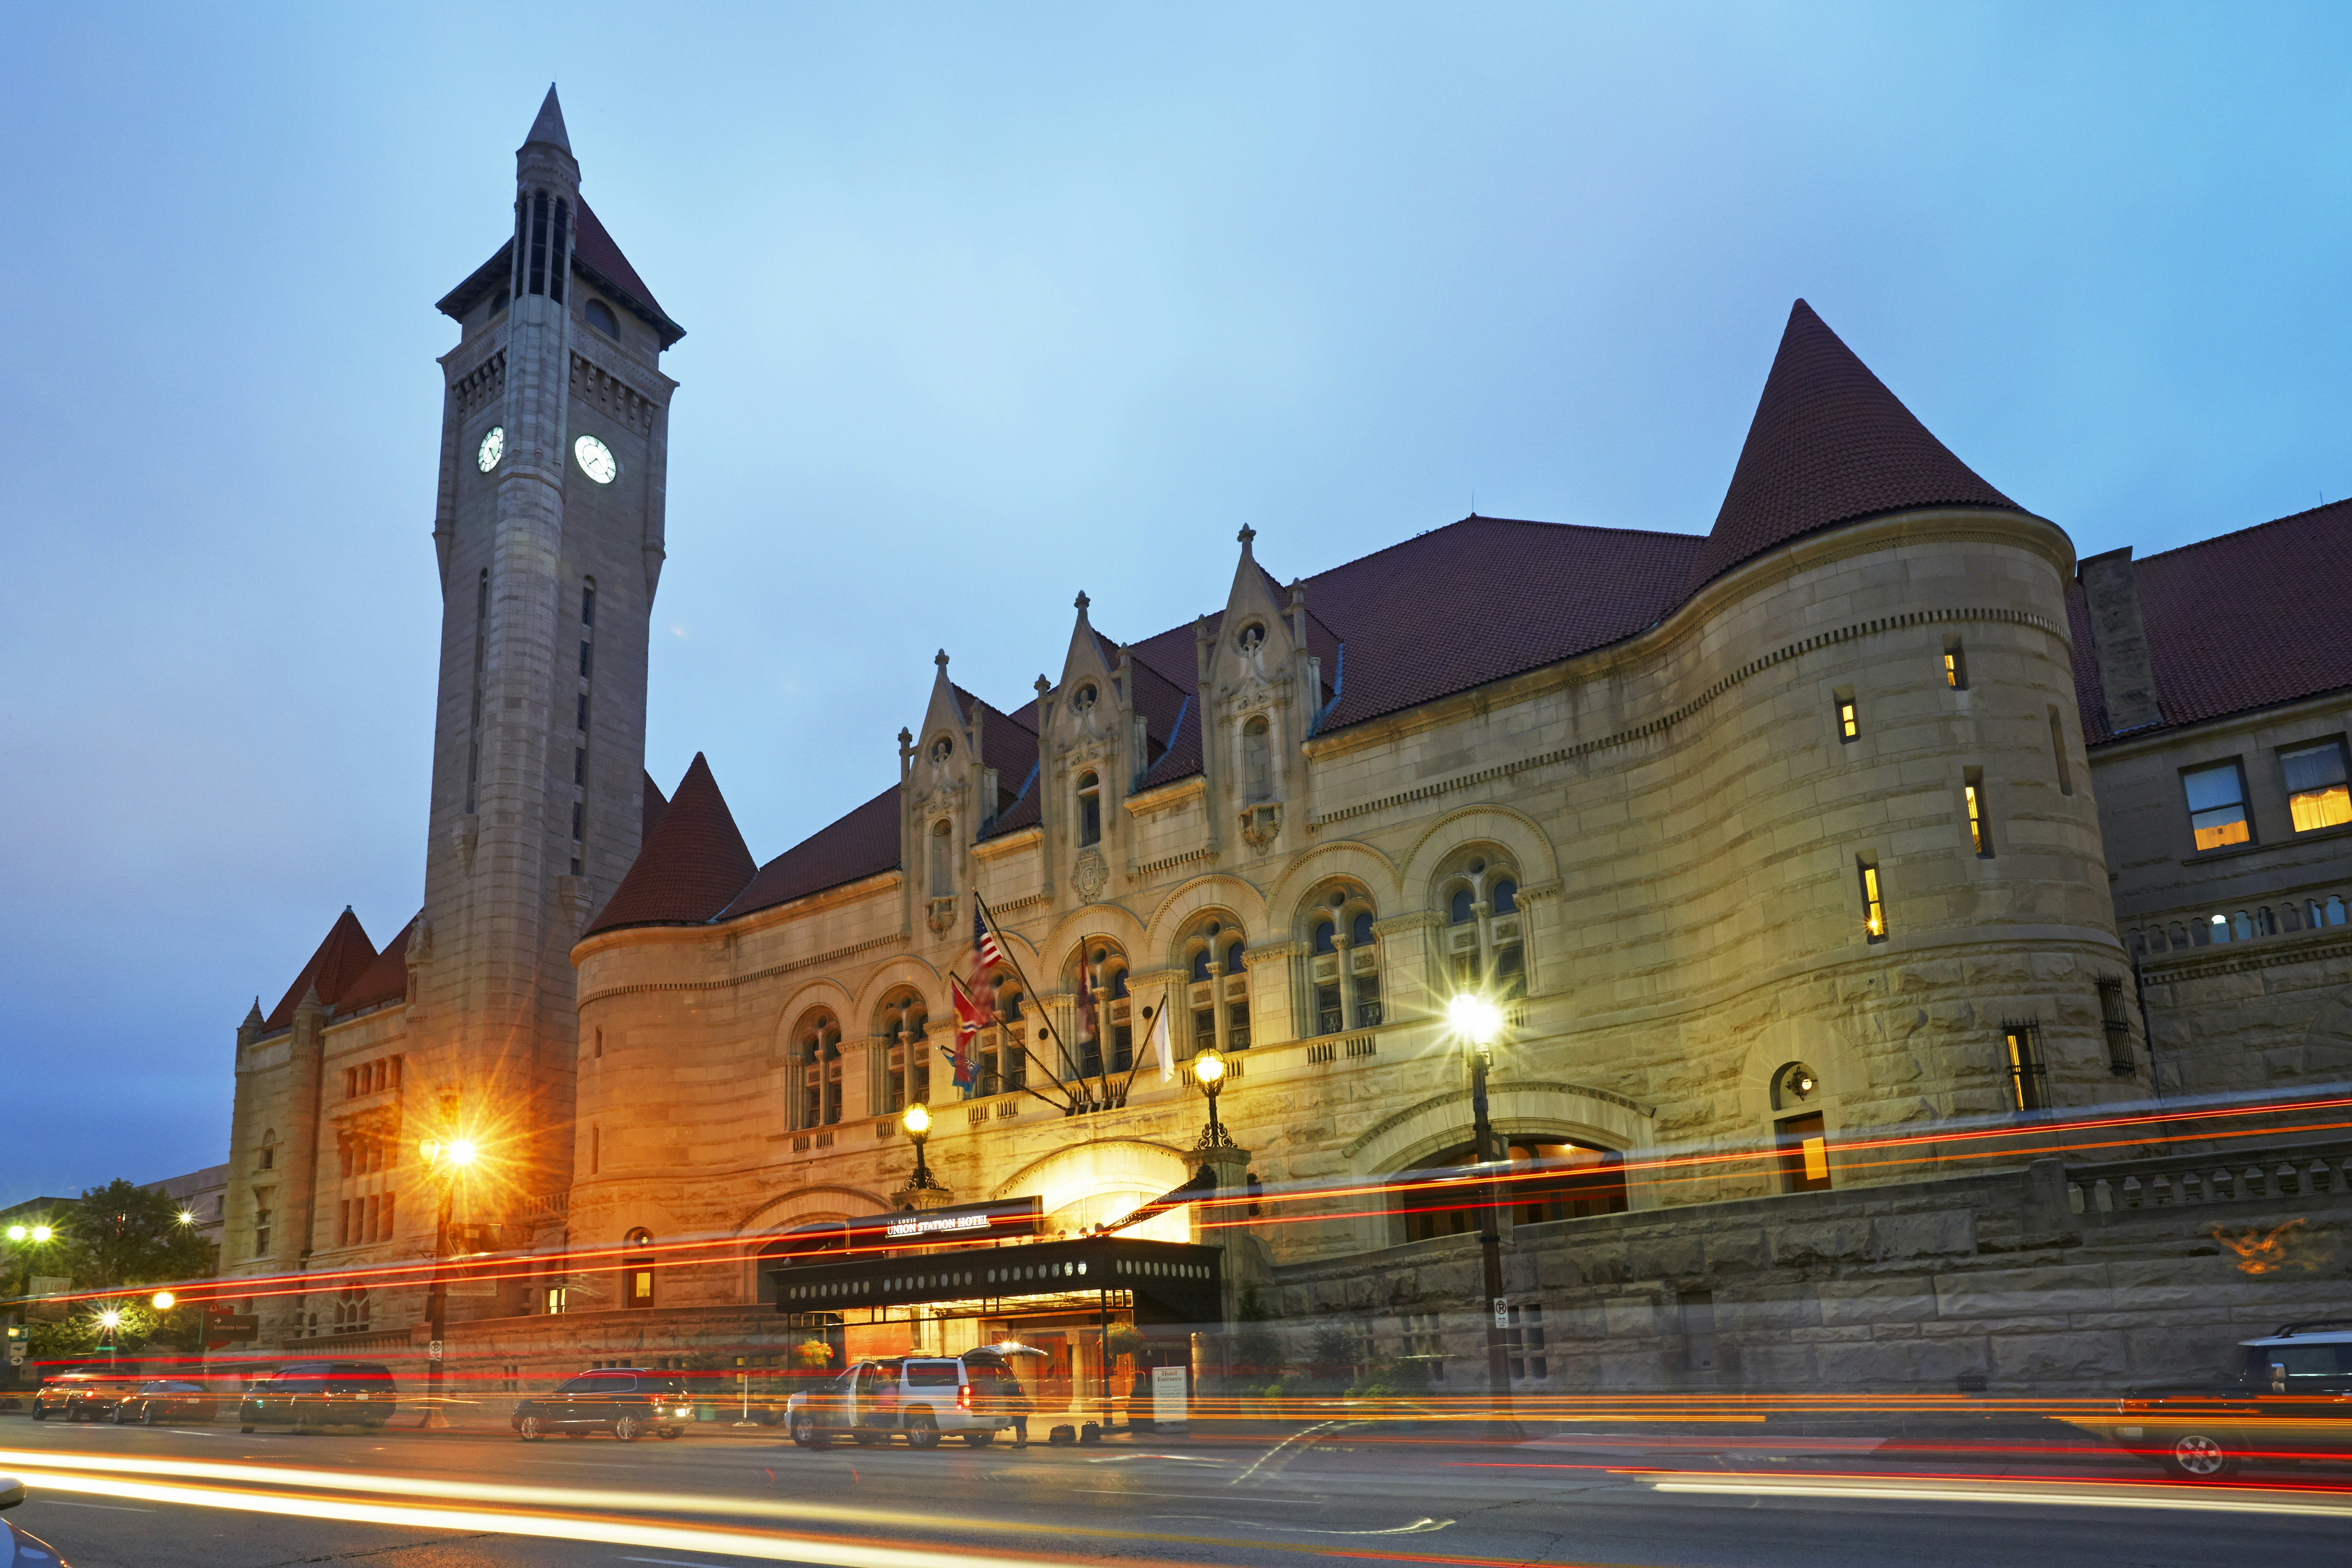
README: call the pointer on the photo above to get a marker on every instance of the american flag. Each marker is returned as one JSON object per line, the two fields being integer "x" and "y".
{"x": 985, "y": 952}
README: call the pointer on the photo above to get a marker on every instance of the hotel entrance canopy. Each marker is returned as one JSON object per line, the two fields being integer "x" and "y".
{"x": 1170, "y": 1282}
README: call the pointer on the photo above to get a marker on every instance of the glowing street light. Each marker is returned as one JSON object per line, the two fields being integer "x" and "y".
{"x": 163, "y": 1299}
{"x": 109, "y": 1320}
{"x": 19, "y": 1232}
{"x": 917, "y": 1121}
{"x": 1208, "y": 1072}
{"x": 445, "y": 1163}
{"x": 187, "y": 1217}
{"x": 42, "y": 1232}
{"x": 1476, "y": 1019}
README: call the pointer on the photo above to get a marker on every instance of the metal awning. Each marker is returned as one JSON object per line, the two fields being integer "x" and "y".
{"x": 1170, "y": 1281}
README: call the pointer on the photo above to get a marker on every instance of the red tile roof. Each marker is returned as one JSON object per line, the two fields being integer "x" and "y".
{"x": 385, "y": 980}
{"x": 857, "y": 846}
{"x": 594, "y": 252}
{"x": 655, "y": 803}
{"x": 1828, "y": 445}
{"x": 690, "y": 864}
{"x": 341, "y": 957}
{"x": 2247, "y": 620}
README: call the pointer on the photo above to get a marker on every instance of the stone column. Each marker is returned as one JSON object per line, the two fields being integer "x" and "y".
{"x": 1241, "y": 1263}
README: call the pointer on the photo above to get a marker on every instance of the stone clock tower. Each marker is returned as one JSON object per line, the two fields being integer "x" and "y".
{"x": 549, "y": 533}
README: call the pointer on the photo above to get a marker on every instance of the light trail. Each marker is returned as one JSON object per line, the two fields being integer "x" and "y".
{"x": 2175, "y": 1497}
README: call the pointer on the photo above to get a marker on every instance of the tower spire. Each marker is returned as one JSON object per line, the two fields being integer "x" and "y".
{"x": 549, "y": 126}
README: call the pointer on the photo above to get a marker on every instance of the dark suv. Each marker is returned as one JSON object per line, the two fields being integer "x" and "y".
{"x": 310, "y": 1394}
{"x": 2291, "y": 1401}
{"x": 626, "y": 1401}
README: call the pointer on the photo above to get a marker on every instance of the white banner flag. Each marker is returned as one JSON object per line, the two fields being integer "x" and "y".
{"x": 1159, "y": 1043}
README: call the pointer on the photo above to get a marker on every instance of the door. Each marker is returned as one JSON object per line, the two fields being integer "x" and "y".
{"x": 874, "y": 1401}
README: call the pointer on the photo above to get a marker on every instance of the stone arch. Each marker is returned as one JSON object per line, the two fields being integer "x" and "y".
{"x": 1114, "y": 921}
{"x": 1215, "y": 892}
{"x": 889, "y": 976}
{"x": 1821, "y": 1046}
{"x": 1343, "y": 857}
{"x": 595, "y": 1279}
{"x": 789, "y": 1211}
{"x": 1517, "y": 833}
{"x": 817, "y": 993}
{"x": 1113, "y": 1168}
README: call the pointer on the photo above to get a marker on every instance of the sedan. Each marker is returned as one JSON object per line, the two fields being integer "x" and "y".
{"x": 166, "y": 1399}
{"x": 21, "y": 1546}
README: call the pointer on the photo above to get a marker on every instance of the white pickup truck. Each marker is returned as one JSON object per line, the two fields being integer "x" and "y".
{"x": 923, "y": 1398}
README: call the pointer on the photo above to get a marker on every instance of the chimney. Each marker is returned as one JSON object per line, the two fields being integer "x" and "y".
{"x": 2120, "y": 641}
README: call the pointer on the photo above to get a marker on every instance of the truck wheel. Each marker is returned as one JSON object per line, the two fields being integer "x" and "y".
{"x": 922, "y": 1432}
{"x": 2199, "y": 1457}
{"x": 530, "y": 1429}
{"x": 628, "y": 1428}
{"x": 978, "y": 1439}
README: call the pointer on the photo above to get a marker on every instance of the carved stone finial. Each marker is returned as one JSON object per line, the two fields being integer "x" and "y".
{"x": 940, "y": 659}
{"x": 1298, "y": 592}
{"x": 906, "y": 736}
{"x": 1043, "y": 686}
{"x": 1245, "y": 535}
{"x": 1082, "y": 601}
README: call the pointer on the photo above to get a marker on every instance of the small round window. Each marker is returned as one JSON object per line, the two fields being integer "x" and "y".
{"x": 600, "y": 316}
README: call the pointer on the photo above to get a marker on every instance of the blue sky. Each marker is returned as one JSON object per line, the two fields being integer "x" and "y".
{"x": 987, "y": 305}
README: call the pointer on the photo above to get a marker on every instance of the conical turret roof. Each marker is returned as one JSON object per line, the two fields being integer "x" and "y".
{"x": 692, "y": 865}
{"x": 549, "y": 126}
{"x": 1829, "y": 444}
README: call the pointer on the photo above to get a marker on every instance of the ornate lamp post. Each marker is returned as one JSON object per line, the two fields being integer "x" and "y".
{"x": 1479, "y": 1021}
{"x": 445, "y": 1163}
{"x": 1208, "y": 1072}
{"x": 917, "y": 1122}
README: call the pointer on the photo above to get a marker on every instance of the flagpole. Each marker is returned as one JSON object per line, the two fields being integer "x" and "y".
{"x": 1024, "y": 1084}
{"x": 1027, "y": 989}
{"x": 1158, "y": 1020}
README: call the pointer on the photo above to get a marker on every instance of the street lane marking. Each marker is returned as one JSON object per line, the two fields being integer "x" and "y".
{"x": 1421, "y": 1526}
{"x": 2178, "y": 1498}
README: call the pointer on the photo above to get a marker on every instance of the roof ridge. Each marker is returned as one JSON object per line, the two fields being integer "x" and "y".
{"x": 2240, "y": 532}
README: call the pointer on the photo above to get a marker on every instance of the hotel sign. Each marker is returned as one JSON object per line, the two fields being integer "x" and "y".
{"x": 965, "y": 1222}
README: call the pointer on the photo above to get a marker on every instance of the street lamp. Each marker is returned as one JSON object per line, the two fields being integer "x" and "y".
{"x": 1208, "y": 1072}
{"x": 917, "y": 1122}
{"x": 163, "y": 1299}
{"x": 445, "y": 1163}
{"x": 1479, "y": 1021}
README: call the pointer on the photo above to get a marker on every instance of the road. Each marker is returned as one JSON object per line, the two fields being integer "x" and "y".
{"x": 202, "y": 1496}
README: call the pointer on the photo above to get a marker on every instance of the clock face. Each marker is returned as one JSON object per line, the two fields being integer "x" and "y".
{"x": 494, "y": 447}
{"x": 596, "y": 460}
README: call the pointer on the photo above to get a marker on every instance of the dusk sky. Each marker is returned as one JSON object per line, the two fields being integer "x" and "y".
{"x": 987, "y": 305}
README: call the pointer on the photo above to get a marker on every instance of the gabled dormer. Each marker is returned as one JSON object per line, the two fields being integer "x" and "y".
{"x": 1087, "y": 723}
{"x": 1260, "y": 688}
{"x": 945, "y": 798}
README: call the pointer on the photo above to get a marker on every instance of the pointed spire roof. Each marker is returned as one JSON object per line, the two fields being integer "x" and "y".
{"x": 341, "y": 958}
{"x": 549, "y": 126}
{"x": 692, "y": 865}
{"x": 385, "y": 980}
{"x": 1830, "y": 444}
{"x": 655, "y": 803}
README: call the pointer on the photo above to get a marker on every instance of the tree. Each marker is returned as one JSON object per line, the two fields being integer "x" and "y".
{"x": 124, "y": 1235}
{"x": 1257, "y": 1348}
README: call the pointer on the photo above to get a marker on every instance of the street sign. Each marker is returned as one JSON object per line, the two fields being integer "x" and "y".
{"x": 1502, "y": 1312}
{"x": 232, "y": 1325}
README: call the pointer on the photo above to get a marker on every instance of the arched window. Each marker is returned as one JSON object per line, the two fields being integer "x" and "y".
{"x": 1001, "y": 1067}
{"x": 1548, "y": 1181}
{"x": 600, "y": 316}
{"x": 1213, "y": 1008}
{"x": 1257, "y": 760}
{"x": 816, "y": 1056}
{"x": 1102, "y": 1027}
{"x": 1344, "y": 967}
{"x": 905, "y": 1029}
{"x": 1089, "y": 810}
{"x": 1484, "y": 942}
{"x": 638, "y": 1268}
{"x": 942, "y": 858}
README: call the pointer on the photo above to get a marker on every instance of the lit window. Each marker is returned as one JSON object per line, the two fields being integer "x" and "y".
{"x": 2217, "y": 805}
{"x": 1874, "y": 910}
{"x": 2027, "y": 1088}
{"x": 1980, "y": 830}
{"x": 2316, "y": 792}
{"x": 1848, "y": 725}
{"x": 1955, "y": 664}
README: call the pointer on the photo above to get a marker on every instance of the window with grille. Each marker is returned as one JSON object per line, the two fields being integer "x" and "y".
{"x": 1523, "y": 1343}
{"x": 1421, "y": 1338}
{"x": 2028, "y": 1078}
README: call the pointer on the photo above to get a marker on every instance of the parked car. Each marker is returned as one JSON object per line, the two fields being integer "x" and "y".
{"x": 2290, "y": 1402}
{"x": 923, "y": 1398}
{"x": 21, "y": 1546}
{"x": 308, "y": 1394}
{"x": 163, "y": 1399}
{"x": 81, "y": 1395}
{"x": 626, "y": 1401}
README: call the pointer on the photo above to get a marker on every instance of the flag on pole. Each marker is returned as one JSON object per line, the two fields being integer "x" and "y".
{"x": 983, "y": 941}
{"x": 1085, "y": 1002}
{"x": 970, "y": 1018}
{"x": 1158, "y": 1046}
